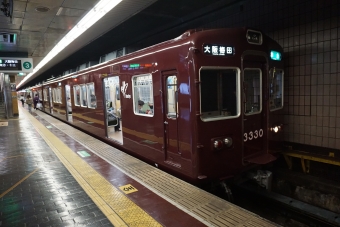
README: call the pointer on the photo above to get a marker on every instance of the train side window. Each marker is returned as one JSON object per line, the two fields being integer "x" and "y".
{"x": 83, "y": 98}
{"x": 76, "y": 93}
{"x": 40, "y": 94}
{"x": 91, "y": 95}
{"x": 54, "y": 95}
{"x": 59, "y": 95}
{"x": 276, "y": 89}
{"x": 252, "y": 89}
{"x": 172, "y": 95}
{"x": 219, "y": 90}
{"x": 45, "y": 94}
{"x": 143, "y": 95}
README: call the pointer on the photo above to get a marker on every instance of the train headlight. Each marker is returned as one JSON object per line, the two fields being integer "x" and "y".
{"x": 218, "y": 144}
{"x": 228, "y": 142}
{"x": 275, "y": 129}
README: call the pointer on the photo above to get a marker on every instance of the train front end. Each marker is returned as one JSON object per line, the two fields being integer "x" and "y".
{"x": 239, "y": 86}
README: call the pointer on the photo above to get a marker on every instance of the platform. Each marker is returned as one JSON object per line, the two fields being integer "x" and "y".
{"x": 100, "y": 186}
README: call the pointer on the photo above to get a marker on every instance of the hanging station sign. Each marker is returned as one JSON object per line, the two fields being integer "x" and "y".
{"x": 16, "y": 65}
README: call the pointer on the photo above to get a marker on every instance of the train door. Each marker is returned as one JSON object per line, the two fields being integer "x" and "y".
{"x": 50, "y": 101}
{"x": 254, "y": 109}
{"x": 112, "y": 108}
{"x": 170, "y": 116}
{"x": 68, "y": 101}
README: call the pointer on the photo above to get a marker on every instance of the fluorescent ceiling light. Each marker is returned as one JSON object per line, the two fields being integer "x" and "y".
{"x": 97, "y": 12}
{"x": 59, "y": 11}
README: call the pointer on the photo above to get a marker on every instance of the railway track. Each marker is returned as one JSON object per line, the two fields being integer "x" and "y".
{"x": 281, "y": 209}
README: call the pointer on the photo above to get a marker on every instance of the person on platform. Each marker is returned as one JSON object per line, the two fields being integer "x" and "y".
{"x": 29, "y": 102}
{"x": 35, "y": 101}
{"x": 69, "y": 106}
{"x": 22, "y": 99}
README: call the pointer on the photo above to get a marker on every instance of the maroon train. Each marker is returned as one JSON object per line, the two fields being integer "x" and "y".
{"x": 207, "y": 105}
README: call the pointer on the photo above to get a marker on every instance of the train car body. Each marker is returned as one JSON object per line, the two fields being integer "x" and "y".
{"x": 206, "y": 105}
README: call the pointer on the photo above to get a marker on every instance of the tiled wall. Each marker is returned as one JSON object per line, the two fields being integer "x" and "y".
{"x": 309, "y": 32}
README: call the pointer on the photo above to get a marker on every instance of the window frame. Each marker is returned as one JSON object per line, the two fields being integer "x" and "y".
{"x": 89, "y": 98}
{"x": 238, "y": 93}
{"x": 76, "y": 103}
{"x": 151, "y": 95}
{"x": 282, "y": 95}
{"x": 59, "y": 99}
{"x": 261, "y": 93}
{"x": 54, "y": 98}
{"x": 45, "y": 94}
{"x": 81, "y": 96}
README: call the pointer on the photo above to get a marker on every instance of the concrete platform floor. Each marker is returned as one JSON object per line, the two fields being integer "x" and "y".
{"x": 35, "y": 187}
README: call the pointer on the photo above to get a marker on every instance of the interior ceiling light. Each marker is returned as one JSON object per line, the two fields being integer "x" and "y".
{"x": 97, "y": 12}
{"x": 42, "y": 9}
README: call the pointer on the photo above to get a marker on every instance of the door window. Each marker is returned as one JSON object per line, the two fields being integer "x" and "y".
{"x": 276, "y": 89}
{"x": 172, "y": 97}
{"x": 252, "y": 89}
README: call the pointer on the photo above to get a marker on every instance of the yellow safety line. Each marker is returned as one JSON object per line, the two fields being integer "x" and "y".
{"x": 11, "y": 188}
{"x": 120, "y": 210}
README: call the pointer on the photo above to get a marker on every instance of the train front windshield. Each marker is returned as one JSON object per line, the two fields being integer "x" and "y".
{"x": 219, "y": 93}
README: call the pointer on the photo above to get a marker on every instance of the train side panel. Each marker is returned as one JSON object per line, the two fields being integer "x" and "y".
{"x": 185, "y": 123}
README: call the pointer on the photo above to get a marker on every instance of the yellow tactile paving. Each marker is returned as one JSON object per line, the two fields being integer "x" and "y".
{"x": 120, "y": 210}
{"x": 205, "y": 207}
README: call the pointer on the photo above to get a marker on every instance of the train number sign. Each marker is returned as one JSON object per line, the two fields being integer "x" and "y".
{"x": 252, "y": 135}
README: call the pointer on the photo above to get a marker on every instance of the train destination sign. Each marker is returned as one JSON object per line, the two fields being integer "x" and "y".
{"x": 136, "y": 66}
{"x": 18, "y": 65}
{"x": 218, "y": 50}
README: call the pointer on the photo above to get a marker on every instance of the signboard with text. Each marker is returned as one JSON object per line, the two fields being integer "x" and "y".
{"x": 218, "y": 50}
{"x": 16, "y": 65}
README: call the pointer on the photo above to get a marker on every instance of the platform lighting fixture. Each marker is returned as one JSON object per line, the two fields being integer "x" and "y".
{"x": 97, "y": 12}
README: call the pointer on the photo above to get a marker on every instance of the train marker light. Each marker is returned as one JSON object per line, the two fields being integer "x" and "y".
{"x": 218, "y": 144}
{"x": 228, "y": 141}
{"x": 274, "y": 55}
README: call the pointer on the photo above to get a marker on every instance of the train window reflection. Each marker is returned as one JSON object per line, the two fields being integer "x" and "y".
{"x": 219, "y": 93}
{"x": 76, "y": 93}
{"x": 276, "y": 89}
{"x": 143, "y": 95}
{"x": 252, "y": 90}
{"x": 58, "y": 95}
{"x": 172, "y": 94}
{"x": 40, "y": 94}
{"x": 91, "y": 95}
{"x": 54, "y": 96}
{"x": 83, "y": 100}
{"x": 45, "y": 94}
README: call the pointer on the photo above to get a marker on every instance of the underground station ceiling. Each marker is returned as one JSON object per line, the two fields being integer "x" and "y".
{"x": 32, "y": 28}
